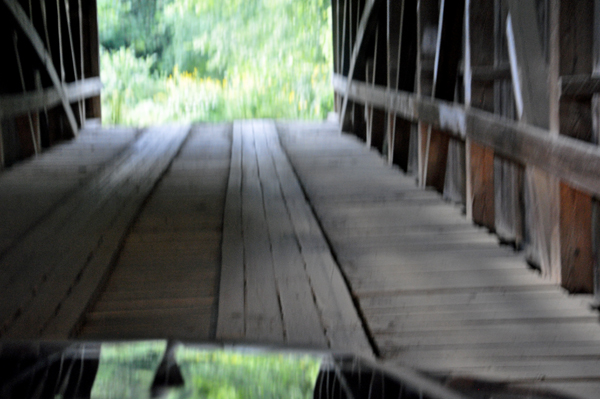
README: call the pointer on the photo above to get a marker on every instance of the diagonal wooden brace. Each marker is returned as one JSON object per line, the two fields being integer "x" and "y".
{"x": 38, "y": 45}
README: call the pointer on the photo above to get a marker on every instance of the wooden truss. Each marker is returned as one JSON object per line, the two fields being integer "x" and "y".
{"x": 70, "y": 27}
{"x": 492, "y": 103}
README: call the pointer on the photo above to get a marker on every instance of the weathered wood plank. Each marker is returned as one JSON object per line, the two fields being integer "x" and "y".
{"x": 30, "y": 32}
{"x": 62, "y": 290}
{"x": 33, "y": 189}
{"x": 162, "y": 270}
{"x": 572, "y": 161}
{"x": 300, "y": 316}
{"x": 530, "y": 77}
{"x": 263, "y": 318}
{"x": 422, "y": 292}
{"x": 18, "y": 104}
{"x": 339, "y": 316}
{"x": 230, "y": 319}
{"x": 479, "y": 46}
{"x": 543, "y": 298}
{"x": 366, "y": 19}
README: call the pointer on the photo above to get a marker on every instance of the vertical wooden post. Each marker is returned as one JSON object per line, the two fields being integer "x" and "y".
{"x": 335, "y": 34}
{"x": 508, "y": 176}
{"x": 393, "y": 34}
{"x": 1, "y": 147}
{"x": 369, "y": 78}
{"x": 402, "y": 63}
{"x": 335, "y": 17}
{"x": 530, "y": 76}
{"x": 574, "y": 30}
{"x": 596, "y": 249}
{"x": 357, "y": 63}
{"x": 92, "y": 53}
{"x": 379, "y": 78}
{"x": 479, "y": 52}
{"x": 427, "y": 33}
{"x": 448, "y": 53}
{"x": 596, "y": 140}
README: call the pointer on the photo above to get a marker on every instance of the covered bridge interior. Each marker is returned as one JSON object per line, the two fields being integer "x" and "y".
{"x": 448, "y": 221}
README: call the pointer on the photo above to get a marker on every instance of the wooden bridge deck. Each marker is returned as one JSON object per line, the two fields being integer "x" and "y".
{"x": 303, "y": 238}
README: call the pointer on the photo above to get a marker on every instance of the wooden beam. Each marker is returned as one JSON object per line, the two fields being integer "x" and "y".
{"x": 596, "y": 139}
{"x": 447, "y": 57}
{"x": 19, "y": 104}
{"x": 427, "y": 22}
{"x": 402, "y": 64}
{"x": 596, "y": 249}
{"x": 335, "y": 32}
{"x": 508, "y": 177}
{"x": 365, "y": 21}
{"x": 579, "y": 85}
{"x": 529, "y": 69}
{"x": 479, "y": 93}
{"x": 574, "y": 27}
{"x": 574, "y": 161}
{"x": 531, "y": 87}
{"x": 29, "y": 30}
{"x": 2, "y": 162}
{"x": 379, "y": 77}
{"x": 92, "y": 53}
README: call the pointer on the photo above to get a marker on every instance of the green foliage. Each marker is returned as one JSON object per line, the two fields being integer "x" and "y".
{"x": 127, "y": 370}
{"x": 236, "y": 375}
{"x": 137, "y": 24}
{"x": 212, "y": 60}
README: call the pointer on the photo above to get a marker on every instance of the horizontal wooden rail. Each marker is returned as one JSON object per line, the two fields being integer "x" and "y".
{"x": 19, "y": 104}
{"x": 575, "y": 162}
{"x": 23, "y": 21}
{"x": 580, "y": 85}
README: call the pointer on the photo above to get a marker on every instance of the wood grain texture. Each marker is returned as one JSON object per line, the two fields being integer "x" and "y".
{"x": 32, "y": 35}
{"x": 56, "y": 267}
{"x": 18, "y": 104}
{"x": 433, "y": 294}
{"x": 572, "y": 161}
{"x": 164, "y": 282}
{"x": 288, "y": 289}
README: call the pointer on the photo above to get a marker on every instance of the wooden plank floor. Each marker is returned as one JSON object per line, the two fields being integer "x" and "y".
{"x": 59, "y": 255}
{"x": 279, "y": 282}
{"x": 140, "y": 250}
{"x": 165, "y": 280}
{"x": 33, "y": 188}
{"x": 217, "y": 233}
{"x": 438, "y": 293}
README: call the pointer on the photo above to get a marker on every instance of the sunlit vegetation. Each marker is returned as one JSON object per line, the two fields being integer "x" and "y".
{"x": 250, "y": 375}
{"x": 127, "y": 370}
{"x": 214, "y": 60}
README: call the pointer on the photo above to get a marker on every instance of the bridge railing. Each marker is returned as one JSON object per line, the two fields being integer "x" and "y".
{"x": 51, "y": 81}
{"x": 495, "y": 105}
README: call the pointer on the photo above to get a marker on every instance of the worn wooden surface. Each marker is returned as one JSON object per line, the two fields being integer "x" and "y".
{"x": 35, "y": 187}
{"x": 279, "y": 282}
{"x": 324, "y": 245}
{"x": 438, "y": 293}
{"x": 165, "y": 280}
{"x": 50, "y": 273}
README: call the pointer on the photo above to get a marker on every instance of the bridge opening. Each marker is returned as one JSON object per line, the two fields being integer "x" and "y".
{"x": 175, "y": 60}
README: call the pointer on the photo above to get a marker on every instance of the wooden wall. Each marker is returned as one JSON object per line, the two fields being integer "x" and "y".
{"x": 50, "y": 71}
{"x": 463, "y": 87}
